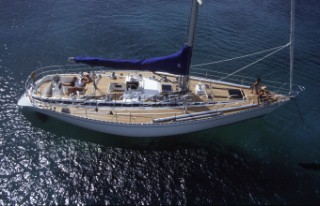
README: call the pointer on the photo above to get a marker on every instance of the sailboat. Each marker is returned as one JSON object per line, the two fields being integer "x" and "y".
{"x": 153, "y": 97}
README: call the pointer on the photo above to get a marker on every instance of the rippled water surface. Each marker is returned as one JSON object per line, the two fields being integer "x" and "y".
{"x": 261, "y": 161}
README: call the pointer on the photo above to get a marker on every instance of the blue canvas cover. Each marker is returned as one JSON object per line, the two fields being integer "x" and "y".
{"x": 177, "y": 63}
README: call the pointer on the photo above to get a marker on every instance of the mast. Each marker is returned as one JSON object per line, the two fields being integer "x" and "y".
{"x": 292, "y": 42}
{"x": 190, "y": 41}
{"x": 193, "y": 21}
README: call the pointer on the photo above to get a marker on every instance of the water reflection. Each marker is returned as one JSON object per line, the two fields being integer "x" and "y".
{"x": 46, "y": 161}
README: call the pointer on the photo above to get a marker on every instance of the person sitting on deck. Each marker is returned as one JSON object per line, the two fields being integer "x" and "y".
{"x": 76, "y": 84}
{"x": 264, "y": 95}
{"x": 113, "y": 75}
{"x": 256, "y": 85}
{"x": 87, "y": 77}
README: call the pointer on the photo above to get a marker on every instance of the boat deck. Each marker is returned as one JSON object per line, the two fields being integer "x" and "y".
{"x": 213, "y": 99}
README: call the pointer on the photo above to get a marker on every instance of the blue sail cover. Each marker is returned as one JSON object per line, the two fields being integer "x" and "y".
{"x": 177, "y": 63}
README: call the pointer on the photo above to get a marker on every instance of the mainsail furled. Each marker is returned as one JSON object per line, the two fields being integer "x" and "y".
{"x": 177, "y": 63}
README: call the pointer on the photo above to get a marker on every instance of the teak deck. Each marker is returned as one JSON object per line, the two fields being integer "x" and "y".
{"x": 214, "y": 92}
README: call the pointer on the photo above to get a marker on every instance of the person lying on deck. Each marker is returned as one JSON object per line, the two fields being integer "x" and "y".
{"x": 76, "y": 84}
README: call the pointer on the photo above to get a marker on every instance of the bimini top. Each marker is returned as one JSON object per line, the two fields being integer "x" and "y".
{"x": 177, "y": 63}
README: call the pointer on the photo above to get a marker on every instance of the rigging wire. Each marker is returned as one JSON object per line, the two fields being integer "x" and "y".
{"x": 240, "y": 57}
{"x": 300, "y": 114}
{"x": 242, "y": 68}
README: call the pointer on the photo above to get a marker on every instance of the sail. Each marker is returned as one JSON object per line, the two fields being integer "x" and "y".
{"x": 177, "y": 63}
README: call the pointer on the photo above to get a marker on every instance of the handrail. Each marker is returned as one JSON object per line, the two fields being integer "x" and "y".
{"x": 276, "y": 86}
{"x": 279, "y": 87}
{"x": 58, "y": 69}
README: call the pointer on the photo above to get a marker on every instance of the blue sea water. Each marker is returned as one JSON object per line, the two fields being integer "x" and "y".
{"x": 45, "y": 161}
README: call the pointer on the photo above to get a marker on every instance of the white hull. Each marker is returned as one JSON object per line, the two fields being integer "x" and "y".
{"x": 153, "y": 129}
